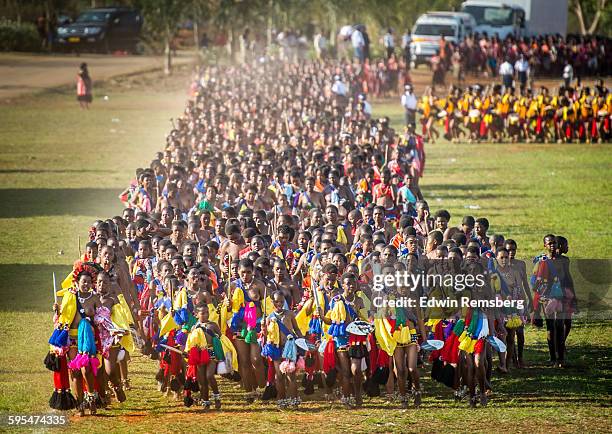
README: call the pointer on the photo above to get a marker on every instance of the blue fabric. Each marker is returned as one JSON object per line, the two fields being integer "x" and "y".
{"x": 86, "y": 340}
{"x": 290, "y": 350}
{"x": 59, "y": 338}
{"x": 337, "y": 330}
{"x": 271, "y": 351}
{"x": 481, "y": 320}
{"x": 181, "y": 316}
{"x": 315, "y": 326}
{"x": 237, "y": 319}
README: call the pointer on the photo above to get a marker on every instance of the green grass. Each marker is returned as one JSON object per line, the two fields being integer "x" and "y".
{"x": 61, "y": 168}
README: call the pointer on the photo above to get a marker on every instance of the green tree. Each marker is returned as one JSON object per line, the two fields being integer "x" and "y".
{"x": 161, "y": 19}
{"x": 591, "y": 15}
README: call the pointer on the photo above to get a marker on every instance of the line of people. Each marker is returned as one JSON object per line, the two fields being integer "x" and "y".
{"x": 251, "y": 248}
{"x": 496, "y": 113}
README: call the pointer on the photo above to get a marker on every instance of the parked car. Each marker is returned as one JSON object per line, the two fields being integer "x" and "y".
{"x": 431, "y": 27}
{"x": 103, "y": 30}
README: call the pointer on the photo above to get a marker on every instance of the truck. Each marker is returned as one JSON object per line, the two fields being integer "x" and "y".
{"x": 429, "y": 28}
{"x": 518, "y": 17}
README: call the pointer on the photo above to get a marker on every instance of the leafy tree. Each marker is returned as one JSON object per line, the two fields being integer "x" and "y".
{"x": 162, "y": 18}
{"x": 591, "y": 15}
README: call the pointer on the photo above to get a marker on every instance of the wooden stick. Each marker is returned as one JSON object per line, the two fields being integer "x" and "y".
{"x": 79, "y": 244}
{"x": 286, "y": 121}
{"x": 54, "y": 288}
{"x": 275, "y": 213}
{"x": 176, "y": 350}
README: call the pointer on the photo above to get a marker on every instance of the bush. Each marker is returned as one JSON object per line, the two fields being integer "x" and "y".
{"x": 18, "y": 37}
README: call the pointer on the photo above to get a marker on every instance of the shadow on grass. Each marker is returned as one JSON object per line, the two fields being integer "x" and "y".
{"x": 29, "y": 288}
{"x": 50, "y": 202}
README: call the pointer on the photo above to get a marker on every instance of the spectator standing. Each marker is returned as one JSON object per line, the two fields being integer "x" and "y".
{"x": 406, "y": 40}
{"x": 358, "y": 44}
{"x": 522, "y": 71}
{"x": 409, "y": 102}
{"x": 320, "y": 45}
{"x": 366, "y": 42}
{"x": 568, "y": 74}
{"x": 506, "y": 71}
{"x": 84, "y": 86}
{"x": 389, "y": 43}
{"x": 41, "y": 28}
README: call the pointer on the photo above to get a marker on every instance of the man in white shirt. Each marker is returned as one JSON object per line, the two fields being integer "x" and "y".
{"x": 389, "y": 43}
{"x": 568, "y": 74}
{"x": 320, "y": 45}
{"x": 409, "y": 102}
{"x": 506, "y": 71}
{"x": 339, "y": 88}
{"x": 522, "y": 70}
{"x": 358, "y": 45}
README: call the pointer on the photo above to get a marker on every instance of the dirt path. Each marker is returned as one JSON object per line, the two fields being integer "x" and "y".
{"x": 22, "y": 73}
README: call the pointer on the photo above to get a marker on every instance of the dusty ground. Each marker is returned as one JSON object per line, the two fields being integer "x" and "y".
{"x": 24, "y": 73}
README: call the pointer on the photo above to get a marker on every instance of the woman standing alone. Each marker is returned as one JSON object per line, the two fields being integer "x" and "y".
{"x": 84, "y": 86}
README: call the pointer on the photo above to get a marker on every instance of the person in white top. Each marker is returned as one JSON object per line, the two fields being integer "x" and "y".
{"x": 389, "y": 43}
{"x": 568, "y": 74}
{"x": 522, "y": 71}
{"x": 339, "y": 88}
{"x": 506, "y": 71}
{"x": 409, "y": 102}
{"x": 358, "y": 45}
{"x": 320, "y": 45}
{"x": 367, "y": 107}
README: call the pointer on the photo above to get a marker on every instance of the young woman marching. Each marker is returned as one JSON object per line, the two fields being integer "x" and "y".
{"x": 113, "y": 327}
{"x": 204, "y": 350}
{"x": 510, "y": 282}
{"x": 77, "y": 313}
{"x": 478, "y": 326}
{"x": 280, "y": 331}
{"x": 246, "y": 295}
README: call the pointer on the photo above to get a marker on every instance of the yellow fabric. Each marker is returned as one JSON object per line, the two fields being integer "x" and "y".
{"x": 366, "y": 301}
{"x": 68, "y": 308}
{"x": 338, "y": 313}
{"x": 465, "y": 344}
{"x": 432, "y": 323}
{"x": 383, "y": 335}
{"x": 341, "y": 236}
{"x": 237, "y": 299}
{"x": 213, "y": 316}
{"x": 167, "y": 324}
{"x": 303, "y": 320}
{"x": 67, "y": 282}
{"x": 126, "y": 309}
{"x": 273, "y": 333}
{"x": 196, "y": 338}
{"x": 403, "y": 335}
{"x": 119, "y": 318}
{"x": 269, "y": 305}
{"x": 228, "y": 347}
{"x": 225, "y": 316}
{"x": 180, "y": 299}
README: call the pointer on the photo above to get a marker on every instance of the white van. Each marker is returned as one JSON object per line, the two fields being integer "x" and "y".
{"x": 430, "y": 27}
